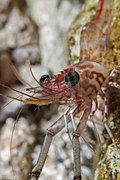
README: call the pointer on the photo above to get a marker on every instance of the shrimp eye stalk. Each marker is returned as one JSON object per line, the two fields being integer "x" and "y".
{"x": 72, "y": 78}
{"x": 43, "y": 78}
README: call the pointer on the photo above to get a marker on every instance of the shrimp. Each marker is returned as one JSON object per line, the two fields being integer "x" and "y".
{"x": 77, "y": 87}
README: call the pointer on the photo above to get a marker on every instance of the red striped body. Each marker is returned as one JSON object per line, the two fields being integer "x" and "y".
{"x": 92, "y": 78}
{"x": 91, "y": 70}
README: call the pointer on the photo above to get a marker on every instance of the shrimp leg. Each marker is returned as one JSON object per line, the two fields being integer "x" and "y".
{"x": 105, "y": 118}
{"x": 76, "y": 143}
{"x": 51, "y": 131}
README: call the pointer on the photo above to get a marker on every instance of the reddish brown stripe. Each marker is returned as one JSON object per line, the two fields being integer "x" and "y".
{"x": 99, "y": 75}
{"x": 93, "y": 88}
{"x": 85, "y": 66}
{"x": 106, "y": 115}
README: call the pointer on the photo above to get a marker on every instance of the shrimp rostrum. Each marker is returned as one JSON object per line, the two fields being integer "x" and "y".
{"x": 77, "y": 87}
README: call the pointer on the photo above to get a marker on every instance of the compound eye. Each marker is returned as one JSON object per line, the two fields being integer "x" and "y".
{"x": 72, "y": 78}
{"x": 42, "y": 79}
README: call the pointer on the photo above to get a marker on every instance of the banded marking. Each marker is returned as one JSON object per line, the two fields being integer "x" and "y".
{"x": 99, "y": 77}
{"x": 85, "y": 66}
{"x": 91, "y": 87}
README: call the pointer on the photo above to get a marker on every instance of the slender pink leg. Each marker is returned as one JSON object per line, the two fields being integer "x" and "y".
{"x": 105, "y": 120}
{"x": 76, "y": 143}
{"x": 52, "y": 131}
{"x": 91, "y": 117}
{"x": 40, "y": 163}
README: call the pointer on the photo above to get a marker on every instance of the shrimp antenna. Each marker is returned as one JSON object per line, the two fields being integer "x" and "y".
{"x": 11, "y": 97}
{"x": 15, "y": 90}
{"x": 18, "y": 75}
{"x": 29, "y": 65}
{"x": 6, "y": 104}
{"x": 11, "y": 140}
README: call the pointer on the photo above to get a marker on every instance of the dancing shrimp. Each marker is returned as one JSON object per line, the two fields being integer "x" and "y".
{"x": 77, "y": 86}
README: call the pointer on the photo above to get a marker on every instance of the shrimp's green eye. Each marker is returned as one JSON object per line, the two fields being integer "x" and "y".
{"x": 42, "y": 79}
{"x": 72, "y": 78}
